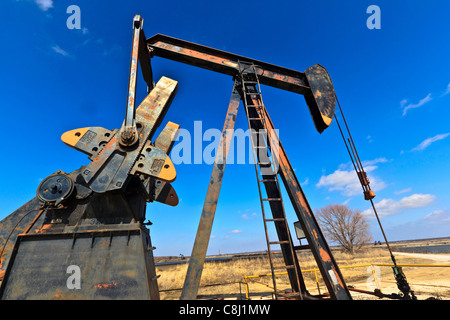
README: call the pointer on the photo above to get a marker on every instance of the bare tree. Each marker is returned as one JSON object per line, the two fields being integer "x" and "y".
{"x": 344, "y": 225}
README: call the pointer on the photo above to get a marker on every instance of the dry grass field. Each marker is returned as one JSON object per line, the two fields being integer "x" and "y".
{"x": 225, "y": 279}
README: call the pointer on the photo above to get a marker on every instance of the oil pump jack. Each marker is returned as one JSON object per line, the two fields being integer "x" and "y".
{"x": 92, "y": 220}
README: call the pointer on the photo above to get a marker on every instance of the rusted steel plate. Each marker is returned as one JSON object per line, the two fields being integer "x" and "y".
{"x": 160, "y": 165}
{"x": 162, "y": 191}
{"x": 112, "y": 265}
{"x": 11, "y": 226}
{"x": 167, "y": 137}
{"x": 198, "y": 254}
{"x": 165, "y": 193}
{"x": 322, "y": 98}
{"x": 110, "y": 168}
{"x": 155, "y": 163}
{"x": 89, "y": 140}
{"x": 154, "y": 107}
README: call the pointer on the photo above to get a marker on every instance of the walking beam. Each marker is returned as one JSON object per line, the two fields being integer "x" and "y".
{"x": 314, "y": 84}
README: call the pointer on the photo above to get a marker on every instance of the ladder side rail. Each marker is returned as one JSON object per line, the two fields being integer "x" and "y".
{"x": 273, "y": 192}
{"x": 328, "y": 267}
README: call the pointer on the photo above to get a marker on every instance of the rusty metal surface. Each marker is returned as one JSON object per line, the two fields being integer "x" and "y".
{"x": 39, "y": 266}
{"x": 49, "y": 243}
{"x": 128, "y": 132}
{"x": 255, "y": 106}
{"x": 109, "y": 170}
{"x": 321, "y": 99}
{"x": 144, "y": 56}
{"x": 315, "y": 83}
{"x": 88, "y": 140}
{"x": 159, "y": 190}
{"x": 327, "y": 265}
{"x": 225, "y": 62}
{"x": 94, "y": 217}
{"x": 11, "y": 226}
{"x": 197, "y": 258}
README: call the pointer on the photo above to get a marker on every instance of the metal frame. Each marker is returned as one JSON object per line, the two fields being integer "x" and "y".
{"x": 316, "y": 87}
{"x": 319, "y": 95}
{"x": 28, "y": 275}
{"x": 126, "y": 168}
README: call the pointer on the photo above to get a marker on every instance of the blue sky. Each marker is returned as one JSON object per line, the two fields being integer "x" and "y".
{"x": 393, "y": 84}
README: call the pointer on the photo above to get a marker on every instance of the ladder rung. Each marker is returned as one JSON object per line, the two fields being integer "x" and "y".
{"x": 279, "y": 242}
{"x": 255, "y": 118}
{"x": 275, "y": 219}
{"x": 264, "y": 163}
{"x": 302, "y": 247}
{"x": 250, "y": 93}
{"x": 268, "y": 180}
{"x": 271, "y": 199}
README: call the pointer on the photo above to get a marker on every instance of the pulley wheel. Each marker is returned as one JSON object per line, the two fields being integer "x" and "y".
{"x": 55, "y": 188}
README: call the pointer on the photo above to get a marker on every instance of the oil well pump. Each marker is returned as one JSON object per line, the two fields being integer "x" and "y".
{"x": 94, "y": 218}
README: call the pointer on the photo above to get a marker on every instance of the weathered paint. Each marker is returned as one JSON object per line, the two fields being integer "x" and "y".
{"x": 197, "y": 259}
{"x": 254, "y": 111}
{"x": 316, "y": 240}
{"x": 90, "y": 140}
{"x": 13, "y": 225}
{"x": 110, "y": 168}
{"x": 322, "y": 99}
{"x": 225, "y": 62}
{"x": 315, "y": 83}
{"x": 121, "y": 270}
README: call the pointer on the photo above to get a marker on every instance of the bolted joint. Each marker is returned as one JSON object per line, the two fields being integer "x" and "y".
{"x": 128, "y": 137}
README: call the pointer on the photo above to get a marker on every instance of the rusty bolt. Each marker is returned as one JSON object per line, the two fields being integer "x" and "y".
{"x": 128, "y": 137}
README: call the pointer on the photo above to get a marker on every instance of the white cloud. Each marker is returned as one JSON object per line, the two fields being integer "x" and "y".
{"x": 346, "y": 201}
{"x": 446, "y": 91}
{"x": 436, "y": 215}
{"x": 60, "y": 51}
{"x": 247, "y": 217}
{"x": 414, "y": 105}
{"x": 235, "y": 231}
{"x": 346, "y": 180}
{"x": 426, "y": 143}
{"x": 374, "y": 161}
{"x": 387, "y": 207}
{"x": 432, "y": 225}
{"x": 44, "y": 5}
{"x": 403, "y": 191}
{"x": 305, "y": 183}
